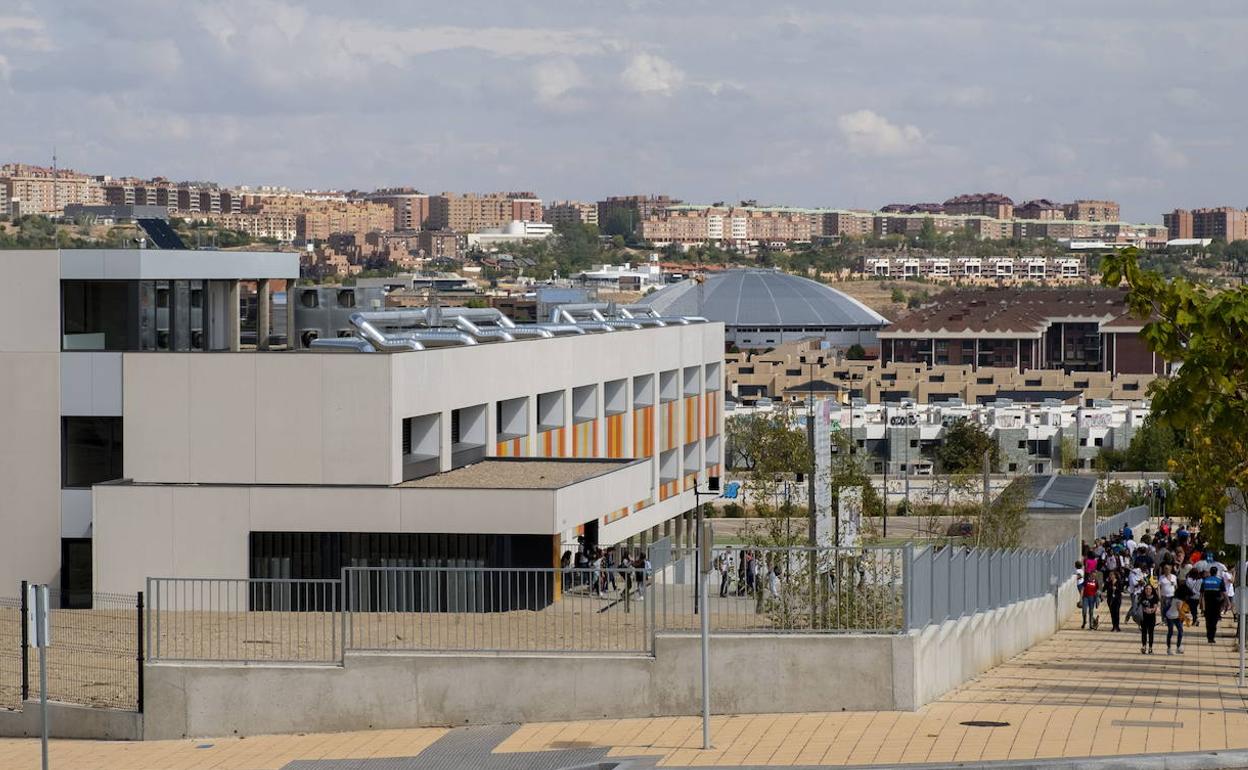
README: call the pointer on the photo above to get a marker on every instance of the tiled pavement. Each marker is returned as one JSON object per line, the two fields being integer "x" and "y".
{"x": 1079, "y": 694}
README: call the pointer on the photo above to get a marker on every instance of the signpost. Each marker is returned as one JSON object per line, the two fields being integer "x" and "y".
{"x": 1236, "y": 519}
{"x": 38, "y": 631}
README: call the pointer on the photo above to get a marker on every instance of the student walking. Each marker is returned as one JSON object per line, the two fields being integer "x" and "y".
{"x": 727, "y": 565}
{"x": 1088, "y": 603}
{"x": 1147, "y": 605}
{"x": 1212, "y": 594}
{"x": 1113, "y": 599}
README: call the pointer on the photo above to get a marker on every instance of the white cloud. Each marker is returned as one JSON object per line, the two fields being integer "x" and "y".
{"x": 650, "y": 74}
{"x": 1166, "y": 152}
{"x": 5, "y": 69}
{"x": 554, "y": 78}
{"x": 868, "y": 133}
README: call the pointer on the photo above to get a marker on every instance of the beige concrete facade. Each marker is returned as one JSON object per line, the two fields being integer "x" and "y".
{"x": 314, "y": 441}
{"x": 40, "y": 384}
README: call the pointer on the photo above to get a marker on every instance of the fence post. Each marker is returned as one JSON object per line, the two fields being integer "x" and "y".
{"x": 138, "y": 619}
{"x": 25, "y": 645}
{"x": 907, "y": 575}
{"x": 347, "y": 627}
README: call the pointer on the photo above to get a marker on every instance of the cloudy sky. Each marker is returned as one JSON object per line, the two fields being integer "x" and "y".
{"x": 817, "y": 103}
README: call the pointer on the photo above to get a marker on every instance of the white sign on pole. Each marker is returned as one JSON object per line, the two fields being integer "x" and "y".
{"x": 37, "y": 627}
{"x": 825, "y": 529}
{"x": 1235, "y": 518}
{"x": 849, "y": 512}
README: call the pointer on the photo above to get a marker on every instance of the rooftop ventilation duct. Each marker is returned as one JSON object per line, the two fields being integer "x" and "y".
{"x": 345, "y": 345}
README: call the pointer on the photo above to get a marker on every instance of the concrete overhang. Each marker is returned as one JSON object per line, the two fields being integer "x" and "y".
{"x": 530, "y": 495}
{"x": 169, "y": 265}
{"x": 476, "y": 499}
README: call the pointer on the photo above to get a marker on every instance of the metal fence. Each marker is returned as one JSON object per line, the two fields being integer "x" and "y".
{"x": 499, "y": 609}
{"x": 244, "y": 620}
{"x": 785, "y": 590}
{"x": 952, "y": 582}
{"x": 94, "y": 659}
{"x": 616, "y": 610}
{"x": 1131, "y": 517}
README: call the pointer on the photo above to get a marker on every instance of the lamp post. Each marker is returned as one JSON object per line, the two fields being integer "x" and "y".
{"x": 703, "y": 562}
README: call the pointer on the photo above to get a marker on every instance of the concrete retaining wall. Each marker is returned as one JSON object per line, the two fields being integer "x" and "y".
{"x": 749, "y": 674}
{"x": 66, "y": 720}
{"x": 948, "y": 655}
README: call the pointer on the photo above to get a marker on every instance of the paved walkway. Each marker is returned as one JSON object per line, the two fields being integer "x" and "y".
{"x": 1080, "y": 694}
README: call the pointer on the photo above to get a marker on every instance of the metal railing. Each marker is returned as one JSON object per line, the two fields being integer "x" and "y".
{"x": 244, "y": 620}
{"x": 480, "y": 609}
{"x": 953, "y": 582}
{"x": 785, "y": 590}
{"x": 616, "y": 610}
{"x": 1132, "y": 517}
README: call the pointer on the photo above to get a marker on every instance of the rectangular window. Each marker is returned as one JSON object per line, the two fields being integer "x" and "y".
{"x": 90, "y": 450}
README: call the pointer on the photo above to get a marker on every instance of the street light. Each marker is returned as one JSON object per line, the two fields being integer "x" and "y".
{"x": 699, "y": 608}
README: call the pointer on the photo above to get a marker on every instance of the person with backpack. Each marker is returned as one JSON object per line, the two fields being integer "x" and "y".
{"x": 1146, "y": 615}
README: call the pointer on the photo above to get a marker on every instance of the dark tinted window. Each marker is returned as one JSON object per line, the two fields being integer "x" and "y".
{"x": 90, "y": 450}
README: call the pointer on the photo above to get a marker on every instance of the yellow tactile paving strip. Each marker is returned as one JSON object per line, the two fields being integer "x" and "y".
{"x": 1062, "y": 698}
{"x": 267, "y": 752}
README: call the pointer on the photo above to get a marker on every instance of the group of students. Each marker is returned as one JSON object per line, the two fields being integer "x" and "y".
{"x": 598, "y": 570}
{"x": 741, "y": 576}
{"x": 1170, "y": 576}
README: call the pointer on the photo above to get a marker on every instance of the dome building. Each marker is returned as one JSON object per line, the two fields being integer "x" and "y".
{"x": 765, "y": 308}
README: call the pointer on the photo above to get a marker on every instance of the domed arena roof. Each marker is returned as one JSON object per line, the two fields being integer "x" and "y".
{"x": 762, "y": 298}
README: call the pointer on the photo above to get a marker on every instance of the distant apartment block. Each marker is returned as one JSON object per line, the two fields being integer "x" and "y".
{"x": 26, "y": 189}
{"x": 411, "y": 207}
{"x": 571, "y": 212}
{"x": 789, "y": 372}
{"x": 992, "y": 205}
{"x": 627, "y": 212}
{"x": 1093, "y": 211}
{"x": 971, "y": 269}
{"x": 282, "y": 228}
{"x": 471, "y": 212}
{"x": 1222, "y": 223}
{"x": 737, "y": 225}
{"x": 1042, "y": 208}
{"x": 1073, "y": 330}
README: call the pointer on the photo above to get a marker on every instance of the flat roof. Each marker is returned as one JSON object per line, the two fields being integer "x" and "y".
{"x": 1009, "y": 310}
{"x": 519, "y": 474}
{"x": 176, "y": 264}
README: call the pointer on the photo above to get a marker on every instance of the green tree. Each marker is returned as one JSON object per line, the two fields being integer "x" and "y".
{"x": 1206, "y": 400}
{"x": 898, "y": 296}
{"x": 856, "y": 352}
{"x": 1152, "y": 447}
{"x": 1002, "y": 523}
{"x": 964, "y": 446}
